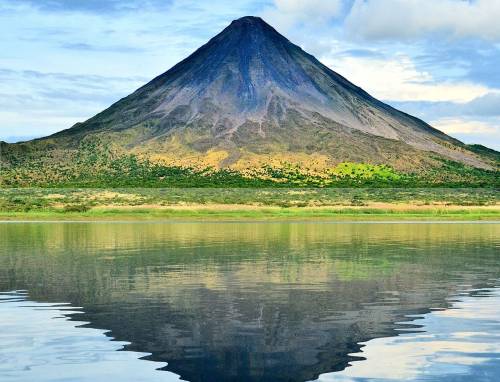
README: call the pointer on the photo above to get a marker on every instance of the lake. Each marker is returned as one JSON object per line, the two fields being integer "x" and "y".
{"x": 249, "y": 302}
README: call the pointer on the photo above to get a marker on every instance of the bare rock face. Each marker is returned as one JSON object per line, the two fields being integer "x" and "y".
{"x": 251, "y": 93}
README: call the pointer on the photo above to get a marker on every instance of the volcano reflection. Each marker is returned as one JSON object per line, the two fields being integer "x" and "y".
{"x": 248, "y": 302}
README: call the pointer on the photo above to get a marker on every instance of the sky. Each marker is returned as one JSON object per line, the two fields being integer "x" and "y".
{"x": 63, "y": 61}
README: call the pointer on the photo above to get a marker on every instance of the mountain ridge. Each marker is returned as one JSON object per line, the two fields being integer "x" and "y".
{"x": 250, "y": 98}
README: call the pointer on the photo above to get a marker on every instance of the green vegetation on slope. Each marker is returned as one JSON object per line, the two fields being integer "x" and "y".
{"x": 485, "y": 151}
{"x": 101, "y": 166}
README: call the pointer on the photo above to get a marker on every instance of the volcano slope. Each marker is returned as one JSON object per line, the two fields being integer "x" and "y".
{"x": 248, "y": 104}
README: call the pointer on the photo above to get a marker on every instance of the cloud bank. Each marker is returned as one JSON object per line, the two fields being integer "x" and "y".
{"x": 405, "y": 19}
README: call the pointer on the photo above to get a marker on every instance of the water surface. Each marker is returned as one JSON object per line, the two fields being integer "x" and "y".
{"x": 249, "y": 301}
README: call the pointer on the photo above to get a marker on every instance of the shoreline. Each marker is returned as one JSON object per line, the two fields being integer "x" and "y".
{"x": 198, "y": 212}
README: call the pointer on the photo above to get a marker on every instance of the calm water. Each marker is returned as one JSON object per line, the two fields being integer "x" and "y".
{"x": 249, "y": 302}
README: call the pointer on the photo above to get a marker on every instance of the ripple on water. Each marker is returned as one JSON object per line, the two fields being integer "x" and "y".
{"x": 38, "y": 342}
{"x": 457, "y": 344}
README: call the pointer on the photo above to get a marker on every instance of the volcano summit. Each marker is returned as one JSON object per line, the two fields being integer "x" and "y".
{"x": 250, "y": 97}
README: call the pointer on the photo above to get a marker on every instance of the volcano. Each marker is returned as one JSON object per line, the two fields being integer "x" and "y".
{"x": 251, "y": 97}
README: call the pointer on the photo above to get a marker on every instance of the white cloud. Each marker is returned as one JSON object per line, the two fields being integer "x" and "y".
{"x": 285, "y": 13}
{"x": 36, "y": 103}
{"x": 305, "y": 8}
{"x": 399, "y": 79}
{"x": 460, "y": 126}
{"x": 485, "y": 132}
{"x": 486, "y": 105}
{"x": 34, "y": 123}
{"x": 386, "y": 19}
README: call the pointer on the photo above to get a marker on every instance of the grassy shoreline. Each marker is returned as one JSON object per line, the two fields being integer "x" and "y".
{"x": 248, "y": 204}
{"x": 218, "y": 213}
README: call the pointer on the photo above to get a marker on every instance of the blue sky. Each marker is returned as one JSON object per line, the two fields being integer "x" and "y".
{"x": 62, "y": 61}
